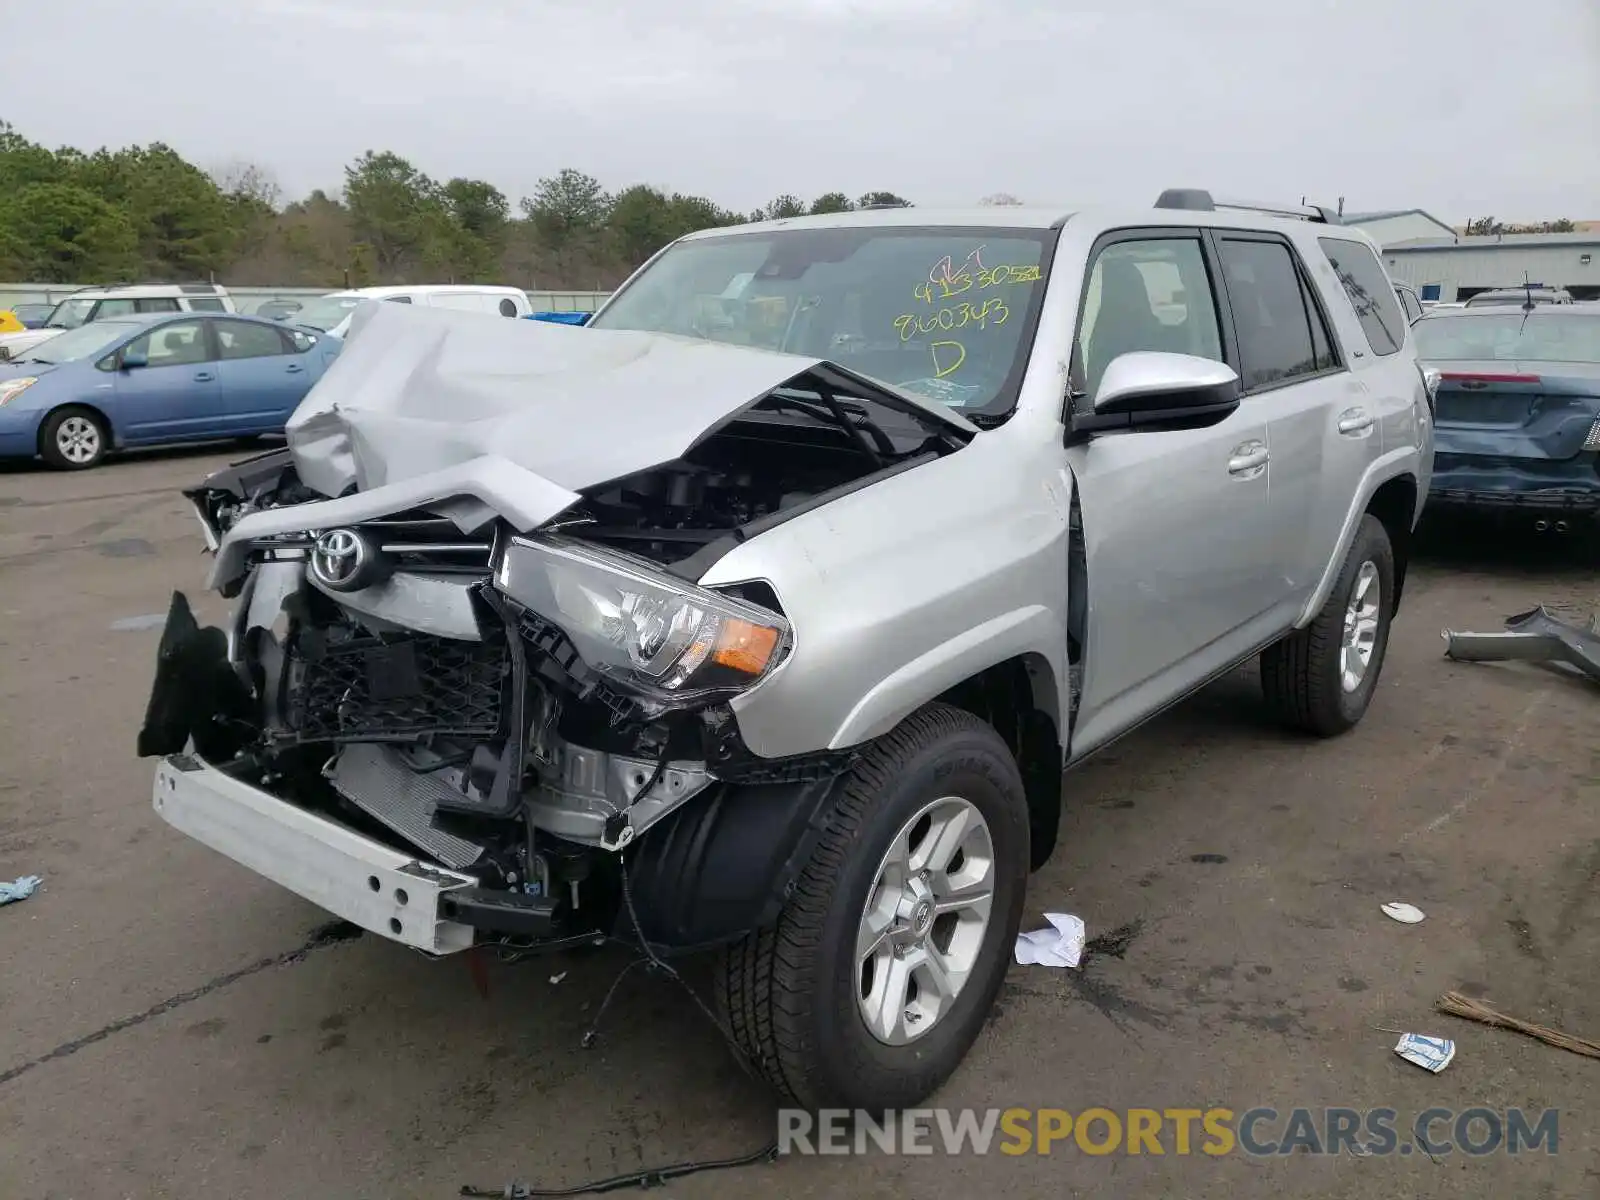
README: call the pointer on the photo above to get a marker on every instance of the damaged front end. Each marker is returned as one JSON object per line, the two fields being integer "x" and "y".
{"x": 453, "y": 728}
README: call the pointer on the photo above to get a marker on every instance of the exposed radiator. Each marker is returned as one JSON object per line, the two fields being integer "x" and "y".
{"x": 375, "y": 779}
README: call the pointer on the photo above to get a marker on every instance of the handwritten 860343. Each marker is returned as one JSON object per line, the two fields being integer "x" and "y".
{"x": 992, "y": 311}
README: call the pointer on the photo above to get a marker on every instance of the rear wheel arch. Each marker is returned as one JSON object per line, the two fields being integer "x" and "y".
{"x": 1394, "y": 504}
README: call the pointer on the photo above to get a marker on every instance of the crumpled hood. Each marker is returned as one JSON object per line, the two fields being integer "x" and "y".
{"x": 416, "y": 391}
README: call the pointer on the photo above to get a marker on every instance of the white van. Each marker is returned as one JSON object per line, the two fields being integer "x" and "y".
{"x": 331, "y": 313}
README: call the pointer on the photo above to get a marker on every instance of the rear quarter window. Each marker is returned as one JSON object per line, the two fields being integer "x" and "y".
{"x": 1369, "y": 291}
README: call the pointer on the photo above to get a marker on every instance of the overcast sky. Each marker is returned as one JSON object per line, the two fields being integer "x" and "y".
{"x": 1463, "y": 107}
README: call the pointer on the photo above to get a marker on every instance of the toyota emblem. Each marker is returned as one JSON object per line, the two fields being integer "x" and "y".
{"x": 345, "y": 561}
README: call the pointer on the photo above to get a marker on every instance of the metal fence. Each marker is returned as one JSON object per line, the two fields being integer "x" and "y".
{"x": 248, "y": 299}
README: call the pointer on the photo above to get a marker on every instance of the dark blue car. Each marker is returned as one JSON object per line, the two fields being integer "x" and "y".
{"x": 1518, "y": 421}
{"x": 147, "y": 380}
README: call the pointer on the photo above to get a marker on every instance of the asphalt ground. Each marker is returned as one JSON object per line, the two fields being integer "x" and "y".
{"x": 174, "y": 1026}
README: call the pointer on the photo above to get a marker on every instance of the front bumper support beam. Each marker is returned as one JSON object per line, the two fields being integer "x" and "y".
{"x": 1533, "y": 636}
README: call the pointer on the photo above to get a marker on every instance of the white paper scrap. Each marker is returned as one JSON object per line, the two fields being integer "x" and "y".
{"x": 1059, "y": 946}
{"x": 1430, "y": 1052}
{"x": 1406, "y": 914}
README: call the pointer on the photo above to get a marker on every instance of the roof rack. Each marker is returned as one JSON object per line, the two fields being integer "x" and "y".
{"x": 1200, "y": 200}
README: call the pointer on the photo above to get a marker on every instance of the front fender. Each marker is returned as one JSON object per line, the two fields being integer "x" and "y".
{"x": 1031, "y": 632}
{"x": 900, "y": 591}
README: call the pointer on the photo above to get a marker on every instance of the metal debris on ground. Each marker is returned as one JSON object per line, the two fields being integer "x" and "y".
{"x": 1429, "y": 1052}
{"x": 1406, "y": 914}
{"x": 141, "y": 622}
{"x": 1059, "y": 946}
{"x": 1457, "y": 1005}
{"x": 19, "y": 889}
{"x": 1537, "y": 635}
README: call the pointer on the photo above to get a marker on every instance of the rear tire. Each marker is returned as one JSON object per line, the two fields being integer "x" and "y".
{"x": 74, "y": 439}
{"x": 1318, "y": 679}
{"x": 798, "y": 996}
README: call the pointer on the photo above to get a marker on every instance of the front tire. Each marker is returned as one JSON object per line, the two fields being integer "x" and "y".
{"x": 1320, "y": 679}
{"x": 74, "y": 439}
{"x": 882, "y": 967}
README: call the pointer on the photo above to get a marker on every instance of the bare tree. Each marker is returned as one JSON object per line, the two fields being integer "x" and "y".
{"x": 249, "y": 181}
{"x": 1000, "y": 198}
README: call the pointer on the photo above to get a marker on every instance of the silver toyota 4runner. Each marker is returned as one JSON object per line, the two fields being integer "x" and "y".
{"x": 763, "y": 614}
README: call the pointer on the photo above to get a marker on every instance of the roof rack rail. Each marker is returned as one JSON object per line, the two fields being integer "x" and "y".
{"x": 1200, "y": 200}
{"x": 100, "y": 287}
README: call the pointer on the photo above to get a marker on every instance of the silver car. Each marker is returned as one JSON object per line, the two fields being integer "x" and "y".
{"x": 763, "y": 614}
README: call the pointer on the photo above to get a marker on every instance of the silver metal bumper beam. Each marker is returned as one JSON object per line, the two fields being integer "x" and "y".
{"x": 388, "y": 893}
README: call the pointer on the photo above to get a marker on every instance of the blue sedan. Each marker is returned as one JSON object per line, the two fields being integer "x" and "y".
{"x": 150, "y": 380}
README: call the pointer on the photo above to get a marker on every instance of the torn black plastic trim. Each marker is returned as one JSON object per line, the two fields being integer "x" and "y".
{"x": 196, "y": 693}
{"x": 714, "y": 870}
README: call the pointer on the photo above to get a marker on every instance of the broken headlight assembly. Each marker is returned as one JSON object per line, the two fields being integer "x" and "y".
{"x": 656, "y": 635}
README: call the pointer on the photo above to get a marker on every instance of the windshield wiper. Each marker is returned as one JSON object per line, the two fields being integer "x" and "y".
{"x": 837, "y": 412}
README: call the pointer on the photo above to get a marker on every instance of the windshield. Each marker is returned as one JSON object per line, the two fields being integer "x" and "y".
{"x": 84, "y": 342}
{"x": 326, "y": 312}
{"x": 69, "y": 314}
{"x": 1542, "y": 336}
{"x": 945, "y": 313}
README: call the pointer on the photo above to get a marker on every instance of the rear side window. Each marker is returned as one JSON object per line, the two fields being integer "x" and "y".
{"x": 238, "y": 339}
{"x": 206, "y": 304}
{"x": 1272, "y": 315}
{"x": 1370, "y": 292}
{"x": 158, "y": 304}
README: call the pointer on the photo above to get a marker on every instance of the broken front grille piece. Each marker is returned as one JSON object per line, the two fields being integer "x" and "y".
{"x": 396, "y": 687}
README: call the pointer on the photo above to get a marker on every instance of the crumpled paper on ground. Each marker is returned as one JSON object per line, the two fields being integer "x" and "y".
{"x": 1059, "y": 946}
{"x": 19, "y": 889}
{"x": 1433, "y": 1053}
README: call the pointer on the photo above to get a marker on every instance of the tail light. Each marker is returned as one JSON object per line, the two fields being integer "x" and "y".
{"x": 1480, "y": 377}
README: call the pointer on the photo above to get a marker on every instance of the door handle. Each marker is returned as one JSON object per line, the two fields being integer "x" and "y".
{"x": 1355, "y": 422}
{"x": 294, "y": 368}
{"x": 203, "y": 376}
{"x": 1248, "y": 459}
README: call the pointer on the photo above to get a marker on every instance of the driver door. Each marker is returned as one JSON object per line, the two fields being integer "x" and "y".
{"x": 1176, "y": 525}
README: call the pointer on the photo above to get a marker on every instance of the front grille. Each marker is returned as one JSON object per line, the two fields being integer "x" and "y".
{"x": 395, "y": 686}
{"x": 1592, "y": 442}
{"x": 422, "y": 542}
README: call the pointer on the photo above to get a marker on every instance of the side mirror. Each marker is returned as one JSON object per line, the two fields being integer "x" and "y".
{"x": 132, "y": 359}
{"x": 1148, "y": 389}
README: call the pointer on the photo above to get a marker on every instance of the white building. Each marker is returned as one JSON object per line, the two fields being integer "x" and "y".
{"x": 1456, "y": 268}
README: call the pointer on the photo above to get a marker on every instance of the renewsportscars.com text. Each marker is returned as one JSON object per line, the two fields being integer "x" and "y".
{"x": 1258, "y": 1132}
